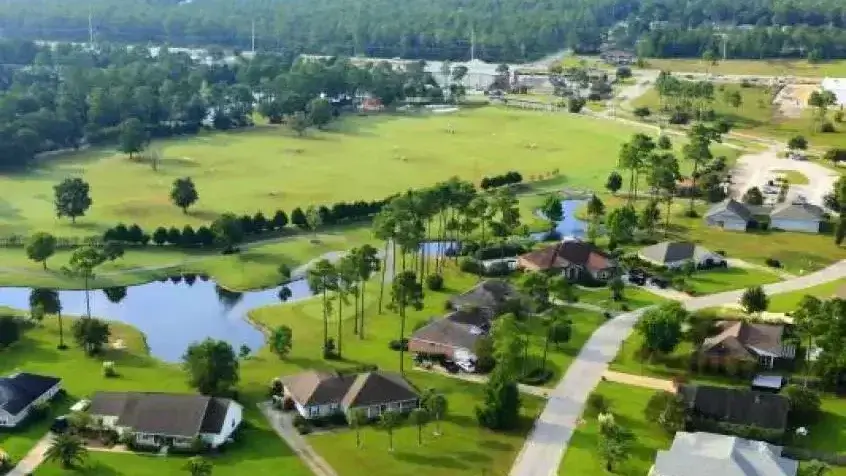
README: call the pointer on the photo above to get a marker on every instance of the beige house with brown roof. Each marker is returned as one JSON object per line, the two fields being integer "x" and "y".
{"x": 575, "y": 258}
{"x": 746, "y": 341}
{"x": 319, "y": 394}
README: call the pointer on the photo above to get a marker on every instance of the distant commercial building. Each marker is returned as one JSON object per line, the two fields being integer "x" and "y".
{"x": 838, "y": 87}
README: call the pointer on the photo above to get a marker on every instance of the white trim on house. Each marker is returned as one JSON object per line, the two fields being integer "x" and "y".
{"x": 8, "y": 420}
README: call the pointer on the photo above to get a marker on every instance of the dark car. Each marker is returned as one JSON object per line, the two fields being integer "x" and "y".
{"x": 659, "y": 282}
{"x": 451, "y": 367}
{"x": 60, "y": 425}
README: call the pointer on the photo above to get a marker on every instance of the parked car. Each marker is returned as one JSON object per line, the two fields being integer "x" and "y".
{"x": 659, "y": 282}
{"x": 60, "y": 424}
{"x": 451, "y": 367}
{"x": 638, "y": 280}
{"x": 467, "y": 366}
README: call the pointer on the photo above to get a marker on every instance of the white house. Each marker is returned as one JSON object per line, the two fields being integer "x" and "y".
{"x": 674, "y": 254}
{"x": 799, "y": 216}
{"x": 167, "y": 419}
{"x": 729, "y": 215}
{"x": 20, "y": 392}
{"x": 320, "y": 394}
{"x": 836, "y": 86}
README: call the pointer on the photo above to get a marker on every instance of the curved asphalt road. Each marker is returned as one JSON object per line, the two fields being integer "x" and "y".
{"x": 544, "y": 448}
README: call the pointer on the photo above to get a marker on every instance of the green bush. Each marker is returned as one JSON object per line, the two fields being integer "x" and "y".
{"x": 435, "y": 282}
{"x": 597, "y": 404}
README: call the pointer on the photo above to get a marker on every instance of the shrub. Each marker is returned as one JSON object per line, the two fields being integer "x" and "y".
{"x": 772, "y": 263}
{"x": 504, "y": 250}
{"x": 435, "y": 282}
{"x": 5, "y": 461}
{"x": 838, "y": 117}
{"x": 804, "y": 405}
{"x": 679, "y": 118}
{"x": 109, "y": 438}
{"x": 277, "y": 387}
{"x": 39, "y": 411}
{"x": 470, "y": 265}
{"x": 624, "y": 72}
{"x": 827, "y": 127}
{"x": 109, "y": 369}
{"x": 398, "y": 344}
{"x": 536, "y": 377}
{"x": 597, "y": 404}
{"x": 575, "y": 105}
{"x": 642, "y": 112}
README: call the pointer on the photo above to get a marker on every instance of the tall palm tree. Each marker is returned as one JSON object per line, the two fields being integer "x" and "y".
{"x": 406, "y": 292}
{"x": 385, "y": 228}
{"x": 49, "y": 301}
{"x": 389, "y": 420}
{"x": 322, "y": 278}
{"x": 367, "y": 261}
{"x": 82, "y": 263}
{"x": 357, "y": 418}
{"x": 347, "y": 284}
{"x": 698, "y": 151}
{"x": 68, "y": 450}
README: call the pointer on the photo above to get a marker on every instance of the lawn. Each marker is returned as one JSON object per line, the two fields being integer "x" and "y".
{"x": 266, "y": 168}
{"x": 772, "y": 67}
{"x": 633, "y": 298}
{"x": 793, "y": 177}
{"x": 728, "y": 279}
{"x": 788, "y": 302}
{"x": 627, "y": 404}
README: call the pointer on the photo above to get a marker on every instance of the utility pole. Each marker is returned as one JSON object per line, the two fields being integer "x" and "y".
{"x": 725, "y": 45}
{"x": 472, "y": 43}
{"x": 253, "y": 38}
{"x": 90, "y": 29}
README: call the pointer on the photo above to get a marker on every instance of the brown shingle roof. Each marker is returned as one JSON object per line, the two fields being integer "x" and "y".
{"x": 373, "y": 388}
{"x": 736, "y": 336}
{"x": 570, "y": 252}
{"x": 322, "y": 388}
{"x": 318, "y": 388}
{"x": 449, "y": 333}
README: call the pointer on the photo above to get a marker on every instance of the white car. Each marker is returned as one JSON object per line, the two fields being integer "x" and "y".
{"x": 466, "y": 366}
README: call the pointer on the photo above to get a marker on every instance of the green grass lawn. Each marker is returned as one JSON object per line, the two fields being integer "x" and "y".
{"x": 793, "y": 177}
{"x": 728, "y": 279}
{"x": 788, "y": 302}
{"x": 772, "y": 67}
{"x": 627, "y": 404}
{"x": 266, "y": 168}
{"x": 633, "y": 298}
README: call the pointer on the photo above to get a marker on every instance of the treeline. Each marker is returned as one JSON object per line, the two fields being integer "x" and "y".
{"x": 204, "y": 236}
{"x": 67, "y": 96}
{"x": 509, "y": 178}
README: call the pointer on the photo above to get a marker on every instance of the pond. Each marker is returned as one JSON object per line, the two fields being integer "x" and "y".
{"x": 174, "y": 314}
{"x": 571, "y": 226}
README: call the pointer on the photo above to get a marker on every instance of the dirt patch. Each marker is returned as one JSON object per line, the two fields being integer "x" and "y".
{"x": 793, "y": 99}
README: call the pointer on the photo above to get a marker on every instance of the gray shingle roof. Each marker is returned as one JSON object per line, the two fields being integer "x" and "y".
{"x": 797, "y": 211}
{"x": 20, "y": 390}
{"x": 669, "y": 251}
{"x": 449, "y": 332}
{"x": 369, "y": 388}
{"x": 707, "y": 454}
{"x": 731, "y": 206}
{"x": 736, "y": 336}
{"x": 736, "y": 406}
{"x": 373, "y": 388}
{"x": 490, "y": 294}
{"x": 170, "y": 414}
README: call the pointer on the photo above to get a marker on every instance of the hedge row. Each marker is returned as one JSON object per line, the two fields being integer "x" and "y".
{"x": 500, "y": 180}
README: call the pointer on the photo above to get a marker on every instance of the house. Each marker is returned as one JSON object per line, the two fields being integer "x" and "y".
{"x": 576, "y": 259}
{"x": 371, "y": 104}
{"x": 674, "y": 254}
{"x": 167, "y": 419}
{"x": 736, "y": 406}
{"x": 453, "y": 336}
{"x": 320, "y": 394}
{"x": 618, "y": 57}
{"x": 797, "y": 216}
{"x": 747, "y": 341}
{"x": 707, "y": 454}
{"x": 20, "y": 392}
{"x": 491, "y": 296}
{"x": 836, "y": 86}
{"x": 729, "y": 215}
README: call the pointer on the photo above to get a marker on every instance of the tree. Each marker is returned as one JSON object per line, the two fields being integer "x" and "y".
{"x": 72, "y": 198}
{"x": 199, "y": 466}
{"x": 710, "y": 59}
{"x": 797, "y": 143}
{"x": 284, "y": 294}
{"x": 419, "y": 417}
{"x": 552, "y": 209}
{"x": 313, "y": 219}
{"x": 279, "y": 220}
{"x": 668, "y": 410}
{"x": 212, "y": 367}
{"x": 91, "y": 334}
{"x": 501, "y": 408}
{"x": 661, "y": 327}
{"x": 68, "y": 450}
{"x": 10, "y": 331}
{"x": 437, "y": 405}
{"x": 634, "y": 155}
{"x": 132, "y": 136}
{"x": 390, "y": 420}
{"x": 298, "y": 219}
{"x": 82, "y": 263}
{"x": 754, "y": 300}
{"x": 698, "y": 151}
{"x": 821, "y": 101}
{"x": 406, "y": 292}
{"x": 649, "y": 216}
{"x": 367, "y": 263}
{"x": 614, "y": 442}
{"x": 617, "y": 288}
{"x": 814, "y": 468}
{"x": 184, "y": 193}
{"x": 536, "y": 288}
{"x": 753, "y": 196}
{"x": 595, "y": 207}
{"x": 357, "y": 418}
{"x": 299, "y": 122}
{"x": 227, "y": 230}
{"x": 621, "y": 224}
{"x": 281, "y": 341}
{"x": 160, "y": 236}
{"x": 733, "y": 98}
{"x": 40, "y": 247}
{"x": 560, "y": 331}
{"x": 804, "y": 405}
{"x": 323, "y": 278}
{"x": 319, "y": 112}
{"x": 614, "y": 182}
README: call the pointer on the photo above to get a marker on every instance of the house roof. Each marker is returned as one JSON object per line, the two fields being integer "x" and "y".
{"x": 570, "y": 252}
{"x": 672, "y": 251}
{"x": 707, "y": 454}
{"x": 798, "y": 211}
{"x": 732, "y": 206}
{"x": 372, "y": 388}
{"x": 323, "y": 388}
{"x": 451, "y": 333}
{"x": 737, "y": 406}
{"x": 736, "y": 337}
{"x": 490, "y": 294}
{"x": 19, "y": 391}
{"x": 170, "y": 414}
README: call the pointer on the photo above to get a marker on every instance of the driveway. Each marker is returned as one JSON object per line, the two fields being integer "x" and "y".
{"x": 34, "y": 458}
{"x": 546, "y": 444}
{"x": 281, "y": 424}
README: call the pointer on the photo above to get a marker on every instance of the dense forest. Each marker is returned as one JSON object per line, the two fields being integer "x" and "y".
{"x": 503, "y": 30}
{"x": 70, "y": 96}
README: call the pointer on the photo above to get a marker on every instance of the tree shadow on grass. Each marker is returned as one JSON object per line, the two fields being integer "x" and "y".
{"x": 428, "y": 459}
{"x": 495, "y": 445}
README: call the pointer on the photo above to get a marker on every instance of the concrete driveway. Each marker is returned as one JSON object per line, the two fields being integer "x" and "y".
{"x": 34, "y": 458}
{"x": 544, "y": 448}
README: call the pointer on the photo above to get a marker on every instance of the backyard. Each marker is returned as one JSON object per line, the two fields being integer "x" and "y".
{"x": 727, "y": 279}
{"x": 773, "y": 67}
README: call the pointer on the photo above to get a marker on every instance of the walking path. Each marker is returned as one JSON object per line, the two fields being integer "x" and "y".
{"x": 639, "y": 381}
{"x": 295, "y": 441}
{"x": 546, "y": 444}
{"x": 34, "y": 458}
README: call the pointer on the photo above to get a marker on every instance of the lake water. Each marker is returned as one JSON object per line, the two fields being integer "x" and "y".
{"x": 571, "y": 226}
{"x": 173, "y": 314}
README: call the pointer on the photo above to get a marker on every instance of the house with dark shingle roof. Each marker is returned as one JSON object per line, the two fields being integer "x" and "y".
{"x": 167, "y": 419}
{"x": 20, "y": 392}
{"x": 797, "y": 216}
{"x": 490, "y": 296}
{"x": 453, "y": 336}
{"x": 748, "y": 341}
{"x": 736, "y": 406}
{"x": 708, "y": 454}
{"x": 729, "y": 215}
{"x": 788, "y": 216}
{"x": 675, "y": 254}
{"x": 575, "y": 259}
{"x": 319, "y": 394}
